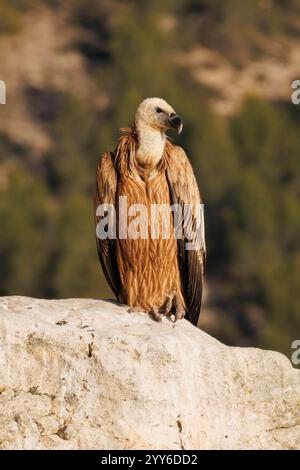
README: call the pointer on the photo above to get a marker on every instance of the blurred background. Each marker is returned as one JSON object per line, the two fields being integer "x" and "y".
{"x": 75, "y": 71}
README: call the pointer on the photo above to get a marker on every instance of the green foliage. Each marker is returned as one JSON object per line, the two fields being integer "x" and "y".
{"x": 25, "y": 235}
{"x": 77, "y": 271}
{"x": 139, "y": 63}
{"x": 237, "y": 28}
{"x": 265, "y": 220}
{"x": 11, "y": 14}
{"x": 71, "y": 165}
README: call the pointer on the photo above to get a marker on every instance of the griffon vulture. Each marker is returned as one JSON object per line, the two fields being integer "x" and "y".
{"x": 161, "y": 275}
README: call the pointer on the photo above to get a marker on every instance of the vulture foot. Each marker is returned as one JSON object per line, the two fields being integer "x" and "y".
{"x": 173, "y": 306}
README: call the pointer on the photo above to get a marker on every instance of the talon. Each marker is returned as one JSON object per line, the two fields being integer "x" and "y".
{"x": 167, "y": 307}
{"x": 178, "y": 307}
{"x": 135, "y": 309}
{"x": 173, "y": 308}
{"x": 154, "y": 313}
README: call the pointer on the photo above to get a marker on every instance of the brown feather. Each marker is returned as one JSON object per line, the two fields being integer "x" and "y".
{"x": 106, "y": 185}
{"x": 184, "y": 190}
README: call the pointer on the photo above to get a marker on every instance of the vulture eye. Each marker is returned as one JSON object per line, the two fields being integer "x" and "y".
{"x": 159, "y": 110}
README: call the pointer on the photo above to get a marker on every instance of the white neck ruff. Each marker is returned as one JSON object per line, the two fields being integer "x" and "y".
{"x": 151, "y": 145}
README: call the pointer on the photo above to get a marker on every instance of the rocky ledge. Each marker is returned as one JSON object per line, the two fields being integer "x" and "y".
{"x": 85, "y": 374}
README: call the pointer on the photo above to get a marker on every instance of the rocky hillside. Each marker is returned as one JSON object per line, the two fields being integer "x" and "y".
{"x": 46, "y": 62}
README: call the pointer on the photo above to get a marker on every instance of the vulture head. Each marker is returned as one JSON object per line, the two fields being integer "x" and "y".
{"x": 158, "y": 114}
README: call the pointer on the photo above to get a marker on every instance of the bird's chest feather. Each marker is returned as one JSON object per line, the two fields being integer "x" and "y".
{"x": 147, "y": 256}
{"x": 145, "y": 221}
{"x": 149, "y": 190}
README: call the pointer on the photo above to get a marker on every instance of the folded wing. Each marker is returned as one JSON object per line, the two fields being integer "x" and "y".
{"x": 191, "y": 244}
{"x": 105, "y": 194}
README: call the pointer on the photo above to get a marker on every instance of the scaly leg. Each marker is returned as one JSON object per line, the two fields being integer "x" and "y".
{"x": 178, "y": 307}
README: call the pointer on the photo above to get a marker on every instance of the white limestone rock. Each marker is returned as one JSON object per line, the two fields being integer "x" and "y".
{"x": 85, "y": 374}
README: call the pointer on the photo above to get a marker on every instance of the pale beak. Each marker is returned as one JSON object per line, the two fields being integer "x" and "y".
{"x": 176, "y": 122}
